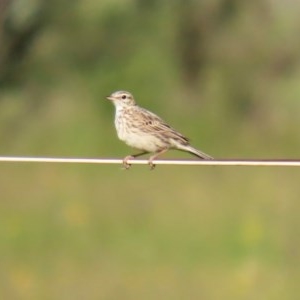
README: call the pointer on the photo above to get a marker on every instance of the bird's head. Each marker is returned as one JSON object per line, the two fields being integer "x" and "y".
{"x": 121, "y": 98}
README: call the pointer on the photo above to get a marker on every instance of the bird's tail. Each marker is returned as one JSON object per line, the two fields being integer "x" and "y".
{"x": 195, "y": 152}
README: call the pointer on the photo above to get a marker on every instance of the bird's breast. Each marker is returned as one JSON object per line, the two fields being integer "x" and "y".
{"x": 121, "y": 124}
{"x": 133, "y": 136}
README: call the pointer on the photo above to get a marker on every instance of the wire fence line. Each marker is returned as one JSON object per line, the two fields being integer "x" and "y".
{"x": 216, "y": 162}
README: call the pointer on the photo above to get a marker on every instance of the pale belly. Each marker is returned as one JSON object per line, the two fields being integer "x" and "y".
{"x": 144, "y": 142}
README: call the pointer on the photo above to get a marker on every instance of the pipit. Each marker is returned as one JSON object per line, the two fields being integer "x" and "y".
{"x": 145, "y": 131}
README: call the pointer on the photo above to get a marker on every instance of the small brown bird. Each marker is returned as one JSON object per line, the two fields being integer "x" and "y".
{"x": 143, "y": 130}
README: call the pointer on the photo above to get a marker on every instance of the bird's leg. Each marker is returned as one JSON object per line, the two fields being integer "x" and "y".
{"x": 129, "y": 157}
{"x": 150, "y": 162}
{"x": 125, "y": 161}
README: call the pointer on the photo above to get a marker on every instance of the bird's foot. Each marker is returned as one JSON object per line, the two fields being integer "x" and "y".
{"x": 126, "y": 165}
{"x": 151, "y": 159}
{"x": 151, "y": 164}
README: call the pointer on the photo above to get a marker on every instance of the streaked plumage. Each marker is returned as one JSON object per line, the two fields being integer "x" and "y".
{"x": 143, "y": 130}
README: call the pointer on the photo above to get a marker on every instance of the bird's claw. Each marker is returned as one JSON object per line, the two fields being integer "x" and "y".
{"x": 126, "y": 165}
{"x": 152, "y": 165}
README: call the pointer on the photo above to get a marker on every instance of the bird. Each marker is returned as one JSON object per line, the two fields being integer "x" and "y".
{"x": 141, "y": 129}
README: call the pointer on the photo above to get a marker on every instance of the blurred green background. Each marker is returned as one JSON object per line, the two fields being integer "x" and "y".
{"x": 225, "y": 73}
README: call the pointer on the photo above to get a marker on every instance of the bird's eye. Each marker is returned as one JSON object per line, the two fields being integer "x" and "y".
{"x": 124, "y": 97}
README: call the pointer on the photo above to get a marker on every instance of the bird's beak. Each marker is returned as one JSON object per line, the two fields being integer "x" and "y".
{"x": 109, "y": 98}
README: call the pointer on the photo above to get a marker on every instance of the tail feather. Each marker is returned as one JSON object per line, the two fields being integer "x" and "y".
{"x": 195, "y": 152}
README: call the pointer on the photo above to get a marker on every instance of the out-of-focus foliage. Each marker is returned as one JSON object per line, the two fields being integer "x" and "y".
{"x": 226, "y": 63}
{"x": 226, "y": 73}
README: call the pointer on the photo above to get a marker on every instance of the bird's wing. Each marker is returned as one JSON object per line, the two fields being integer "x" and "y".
{"x": 153, "y": 124}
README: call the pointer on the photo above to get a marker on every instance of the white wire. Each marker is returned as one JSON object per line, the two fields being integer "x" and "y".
{"x": 269, "y": 163}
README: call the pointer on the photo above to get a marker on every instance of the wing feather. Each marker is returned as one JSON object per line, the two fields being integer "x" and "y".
{"x": 153, "y": 124}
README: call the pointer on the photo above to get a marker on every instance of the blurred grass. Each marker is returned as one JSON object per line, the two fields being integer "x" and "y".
{"x": 98, "y": 232}
{"x": 104, "y": 232}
